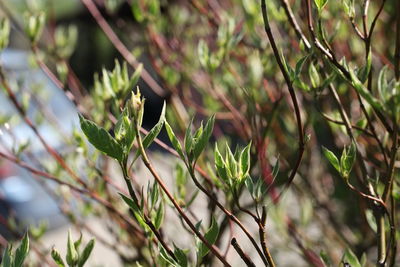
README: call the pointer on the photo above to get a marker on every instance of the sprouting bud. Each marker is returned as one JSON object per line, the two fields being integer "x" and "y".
{"x": 137, "y": 104}
{"x": 4, "y": 32}
{"x": 34, "y": 25}
{"x": 62, "y": 71}
{"x": 136, "y": 100}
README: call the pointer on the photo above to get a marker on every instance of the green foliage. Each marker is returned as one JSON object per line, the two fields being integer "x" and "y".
{"x": 16, "y": 258}
{"x": 258, "y": 79}
{"x": 211, "y": 236}
{"x": 75, "y": 257}
{"x": 320, "y": 4}
{"x": 101, "y": 139}
{"x": 347, "y": 159}
{"x": 4, "y": 33}
{"x": 34, "y": 24}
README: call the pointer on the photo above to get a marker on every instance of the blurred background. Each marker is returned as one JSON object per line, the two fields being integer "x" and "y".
{"x": 202, "y": 57}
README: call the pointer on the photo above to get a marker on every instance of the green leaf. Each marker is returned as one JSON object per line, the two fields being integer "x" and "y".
{"x": 4, "y": 32}
{"x": 166, "y": 257}
{"x": 57, "y": 258}
{"x": 325, "y": 258}
{"x": 220, "y": 165}
{"x": 275, "y": 170}
{"x": 7, "y": 257}
{"x": 153, "y": 133}
{"x": 203, "y": 53}
{"x": 348, "y": 6}
{"x": 154, "y": 194}
{"x": 320, "y": 4}
{"x": 314, "y": 76}
{"x": 332, "y": 158}
{"x": 188, "y": 141}
{"x": 159, "y": 216}
{"x": 231, "y": 164}
{"x": 22, "y": 251}
{"x": 130, "y": 202}
{"x": 78, "y": 242}
{"x": 137, "y": 12}
{"x": 155, "y": 130}
{"x": 347, "y": 159}
{"x": 249, "y": 185}
{"x": 300, "y": 64}
{"x": 202, "y": 141}
{"x": 382, "y": 83}
{"x": 211, "y": 236}
{"x": 350, "y": 258}
{"x": 360, "y": 88}
{"x": 245, "y": 160}
{"x": 180, "y": 256}
{"x": 288, "y": 68}
{"x": 129, "y": 135}
{"x": 174, "y": 140}
{"x": 72, "y": 255}
{"x": 86, "y": 253}
{"x": 369, "y": 215}
{"x": 364, "y": 71}
{"x": 101, "y": 139}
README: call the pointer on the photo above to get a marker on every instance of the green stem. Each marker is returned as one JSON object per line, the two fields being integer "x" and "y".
{"x": 146, "y": 219}
{"x": 161, "y": 183}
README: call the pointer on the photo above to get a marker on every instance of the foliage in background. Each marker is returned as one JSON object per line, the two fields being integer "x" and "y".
{"x": 283, "y": 117}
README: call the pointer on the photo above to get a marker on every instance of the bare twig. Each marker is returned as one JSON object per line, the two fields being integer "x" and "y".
{"x": 242, "y": 254}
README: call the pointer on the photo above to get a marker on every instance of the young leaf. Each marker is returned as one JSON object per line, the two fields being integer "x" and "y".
{"x": 180, "y": 256}
{"x": 188, "y": 141}
{"x": 78, "y": 242}
{"x": 325, "y": 258}
{"x": 154, "y": 194}
{"x": 300, "y": 64}
{"x": 202, "y": 141}
{"x": 129, "y": 135}
{"x": 174, "y": 140}
{"x": 364, "y": 71}
{"x": 249, "y": 185}
{"x": 347, "y": 159}
{"x": 7, "y": 258}
{"x": 57, "y": 258}
{"x": 159, "y": 216}
{"x": 203, "y": 53}
{"x": 211, "y": 236}
{"x": 360, "y": 88}
{"x": 220, "y": 165}
{"x": 86, "y": 253}
{"x": 152, "y": 134}
{"x": 231, "y": 164}
{"x": 72, "y": 254}
{"x": 350, "y": 258}
{"x": 314, "y": 76}
{"x": 166, "y": 257}
{"x": 155, "y": 130}
{"x": 320, "y": 4}
{"x": 332, "y": 158}
{"x": 22, "y": 251}
{"x": 130, "y": 203}
{"x": 245, "y": 160}
{"x": 275, "y": 170}
{"x": 101, "y": 139}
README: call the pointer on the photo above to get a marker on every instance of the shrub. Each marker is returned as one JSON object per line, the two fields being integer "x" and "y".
{"x": 281, "y": 108}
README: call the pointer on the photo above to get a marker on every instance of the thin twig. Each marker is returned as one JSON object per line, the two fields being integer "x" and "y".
{"x": 150, "y": 167}
{"x": 292, "y": 93}
{"x": 242, "y": 254}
